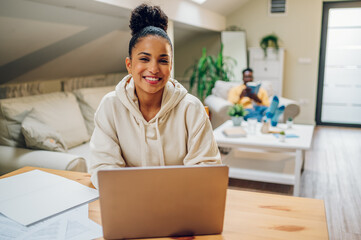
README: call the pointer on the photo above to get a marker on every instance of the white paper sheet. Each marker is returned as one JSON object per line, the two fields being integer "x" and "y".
{"x": 33, "y": 196}
{"x": 73, "y": 225}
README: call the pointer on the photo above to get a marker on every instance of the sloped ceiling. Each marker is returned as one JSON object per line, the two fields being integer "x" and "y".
{"x": 20, "y": 37}
{"x": 40, "y": 41}
{"x": 102, "y": 55}
{"x": 50, "y": 39}
{"x": 224, "y": 7}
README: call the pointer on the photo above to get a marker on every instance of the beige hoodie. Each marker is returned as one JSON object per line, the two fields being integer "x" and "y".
{"x": 180, "y": 133}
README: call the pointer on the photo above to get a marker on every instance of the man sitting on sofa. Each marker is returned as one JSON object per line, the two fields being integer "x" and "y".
{"x": 255, "y": 104}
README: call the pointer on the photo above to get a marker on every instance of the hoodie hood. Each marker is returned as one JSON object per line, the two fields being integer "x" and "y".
{"x": 173, "y": 93}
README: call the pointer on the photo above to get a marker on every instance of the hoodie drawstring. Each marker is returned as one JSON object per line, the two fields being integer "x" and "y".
{"x": 144, "y": 146}
{"x": 160, "y": 146}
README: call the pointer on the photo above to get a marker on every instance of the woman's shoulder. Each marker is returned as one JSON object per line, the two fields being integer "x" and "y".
{"x": 192, "y": 106}
{"x": 109, "y": 97}
{"x": 191, "y": 100}
{"x": 109, "y": 101}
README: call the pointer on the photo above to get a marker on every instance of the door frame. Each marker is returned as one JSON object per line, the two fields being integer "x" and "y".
{"x": 321, "y": 68}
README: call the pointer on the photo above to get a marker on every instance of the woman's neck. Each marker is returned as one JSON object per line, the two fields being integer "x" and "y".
{"x": 149, "y": 104}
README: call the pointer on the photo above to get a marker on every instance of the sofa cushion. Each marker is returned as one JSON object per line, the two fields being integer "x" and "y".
{"x": 15, "y": 158}
{"x": 221, "y": 88}
{"x": 267, "y": 85}
{"x": 58, "y": 110}
{"x": 41, "y": 136}
{"x": 89, "y": 100}
{"x": 82, "y": 150}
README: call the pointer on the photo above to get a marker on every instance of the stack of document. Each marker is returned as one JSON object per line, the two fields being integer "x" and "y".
{"x": 38, "y": 204}
{"x": 71, "y": 225}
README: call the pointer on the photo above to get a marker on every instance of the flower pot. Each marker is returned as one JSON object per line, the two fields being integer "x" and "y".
{"x": 282, "y": 138}
{"x": 289, "y": 123}
{"x": 237, "y": 121}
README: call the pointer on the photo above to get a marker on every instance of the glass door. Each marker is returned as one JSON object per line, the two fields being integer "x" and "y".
{"x": 339, "y": 84}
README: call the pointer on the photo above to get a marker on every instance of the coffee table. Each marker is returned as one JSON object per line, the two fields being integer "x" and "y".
{"x": 263, "y": 157}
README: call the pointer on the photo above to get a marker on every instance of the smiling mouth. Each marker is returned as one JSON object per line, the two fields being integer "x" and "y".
{"x": 152, "y": 80}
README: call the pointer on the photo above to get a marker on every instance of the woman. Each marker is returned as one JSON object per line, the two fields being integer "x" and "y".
{"x": 150, "y": 119}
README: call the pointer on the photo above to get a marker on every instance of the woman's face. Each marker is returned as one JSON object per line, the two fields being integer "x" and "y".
{"x": 150, "y": 64}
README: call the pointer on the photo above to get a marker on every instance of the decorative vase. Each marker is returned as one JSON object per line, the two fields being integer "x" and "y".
{"x": 289, "y": 123}
{"x": 265, "y": 127}
{"x": 282, "y": 138}
{"x": 237, "y": 121}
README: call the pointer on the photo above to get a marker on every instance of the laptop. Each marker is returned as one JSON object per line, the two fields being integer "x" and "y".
{"x": 162, "y": 201}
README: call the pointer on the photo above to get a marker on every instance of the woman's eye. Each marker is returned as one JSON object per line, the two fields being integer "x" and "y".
{"x": 144, "y": 59}
{"x": 164, "y": 61}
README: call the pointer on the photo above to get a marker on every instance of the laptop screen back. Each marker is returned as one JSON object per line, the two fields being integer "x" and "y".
{"x": 162, "y": 201}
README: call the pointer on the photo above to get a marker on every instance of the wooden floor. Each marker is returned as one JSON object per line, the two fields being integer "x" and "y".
{"x": 332, "y": 173}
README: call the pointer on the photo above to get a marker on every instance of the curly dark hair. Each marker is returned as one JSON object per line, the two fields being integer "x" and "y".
{"x": 247, "y": 70}
{"x": 147, "y": 20}
{"x": 145, "y": 15}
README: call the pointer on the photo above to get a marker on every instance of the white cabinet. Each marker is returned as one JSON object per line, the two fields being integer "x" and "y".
{"x": 268, "y": 69}
{"x": 234, "y": 46}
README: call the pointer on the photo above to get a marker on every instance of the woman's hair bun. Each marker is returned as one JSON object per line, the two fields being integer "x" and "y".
{"x": 145, "y": 15}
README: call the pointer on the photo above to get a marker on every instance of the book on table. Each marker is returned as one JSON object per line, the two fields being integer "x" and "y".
{"x": 234, "y": 132}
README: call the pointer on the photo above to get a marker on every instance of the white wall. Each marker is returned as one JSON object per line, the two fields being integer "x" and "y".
{"x": 300, "y": 32}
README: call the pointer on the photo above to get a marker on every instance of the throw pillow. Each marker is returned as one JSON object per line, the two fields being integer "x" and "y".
{"x": 89, "y": 100}
{"x": 41, "y": 136}
{"x": 59, "y": 110}
{"x": 222, "y": 88}
{"x": 267, "y": 85}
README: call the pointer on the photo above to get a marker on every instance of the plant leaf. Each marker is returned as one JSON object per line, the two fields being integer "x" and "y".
{"x": 207, "y": 70}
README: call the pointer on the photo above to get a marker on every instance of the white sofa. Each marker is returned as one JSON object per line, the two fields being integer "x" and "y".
{"x": 48, "y": 130}
{"x": 218, "y": 104}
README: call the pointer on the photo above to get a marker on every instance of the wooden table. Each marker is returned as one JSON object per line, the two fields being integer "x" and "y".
{"x": 249, "y": 215}
{"x": 262, "y": 157}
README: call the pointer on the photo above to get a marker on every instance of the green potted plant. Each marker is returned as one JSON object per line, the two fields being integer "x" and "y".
{"x": 237, "y": 112}
{"x": 207, "y": 70}
{"x": 270, "y": 40}
{"x": 289, "y": 122}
